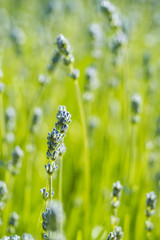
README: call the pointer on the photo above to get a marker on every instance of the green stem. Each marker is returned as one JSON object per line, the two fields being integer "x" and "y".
{"x": 87, "y": 162}
{"x": 2, "y": 127}
{"x": 27, "y": 193}
{"x": 132, "y": 158}
{"x": 50, "y": 187}
{"x": 60, "y": 192}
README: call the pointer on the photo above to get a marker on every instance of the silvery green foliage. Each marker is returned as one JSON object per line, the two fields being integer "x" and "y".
{"x": 15, "y": 164}
{"x": 10, "y": 117}
{"x": 112, "y": 236}
{"x": 92, "y": 81}
{"x": 2, "y": 87}
{"x": 36, "y": 119}
{"x": 27, "y": 236}
{"x": 51, "y": 216}
{"x": 112, "y": 14}
{"x": 118, "y": 232}
{"x": 3, "y": 191}
{"x": 13, "y": 222}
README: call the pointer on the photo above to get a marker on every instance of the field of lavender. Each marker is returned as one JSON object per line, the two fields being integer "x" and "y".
{"x": 79, "y": 120}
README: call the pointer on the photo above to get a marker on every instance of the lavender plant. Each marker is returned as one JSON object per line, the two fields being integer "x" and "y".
{"x": 55, "y": 148}
{"x": 64, "y": 52}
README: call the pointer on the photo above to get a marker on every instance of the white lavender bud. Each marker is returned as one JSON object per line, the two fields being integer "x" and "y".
{"x": 74, "y": 74}
{"x": 51, "y": 216}
{"x": 2, "y": 87}
{"x": 15, "y": 164}
{"x": 119, "y": 40}
{"x": 44, "y": 193}
{"x": 95, "y": 32}
{"x": 43, "y": 79}
{"x": 69, "y": 59}
{"x": 112, "y": 236}
{"x": 63, "y": 45}
{"x": 10, "y": 116}
{"x": 13, "y": 222}
{"x": 51, "y": 168}
{"x": 118, "y": 232}
{"x": 3, "y": 191}
{"x": 37, "y": 116}
{"x": 15, "y": 237}
{"x": 136, "y": 103}
{"x": 117, "y": 189}
{"x": 148, "y": 226}
{"x": 92, "y": 82}
{"x": 151, "y": 200}
{"x": 27, "y": 236}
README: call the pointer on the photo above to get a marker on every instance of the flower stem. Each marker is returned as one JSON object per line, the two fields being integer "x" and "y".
{"x": 50, "y": 187}
{"x": 87, "y": 162}
{"x": 60, "y": 192}
{"x": 2, "y": 127}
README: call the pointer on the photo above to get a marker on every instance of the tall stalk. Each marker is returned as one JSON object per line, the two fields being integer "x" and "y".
{"x": 87, "y": 162}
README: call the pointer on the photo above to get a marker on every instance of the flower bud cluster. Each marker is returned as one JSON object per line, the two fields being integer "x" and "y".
{"x": 13, "y": 222}
{"x": 151, "y": 200}
{"x": 51, "y": 218}
{"x": 117, "y": 234}
{"x": 3, "y": 197}
{"x": 64, "y": 53}
{"x": 36, "y": 119}
{"x": 91, "y": 83}
{"x": 56, "y": 137}
{"x": 115, "y": 202}
{"x": 96, "y": 35}
{"x": 115, "y": 22}
{"x": 15, "y": 164}
{"x": 136, "y": 108}
{"x": 111, "y": 13}
{"x": 12, "y": 237}
{"x": 27, "y": 236}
